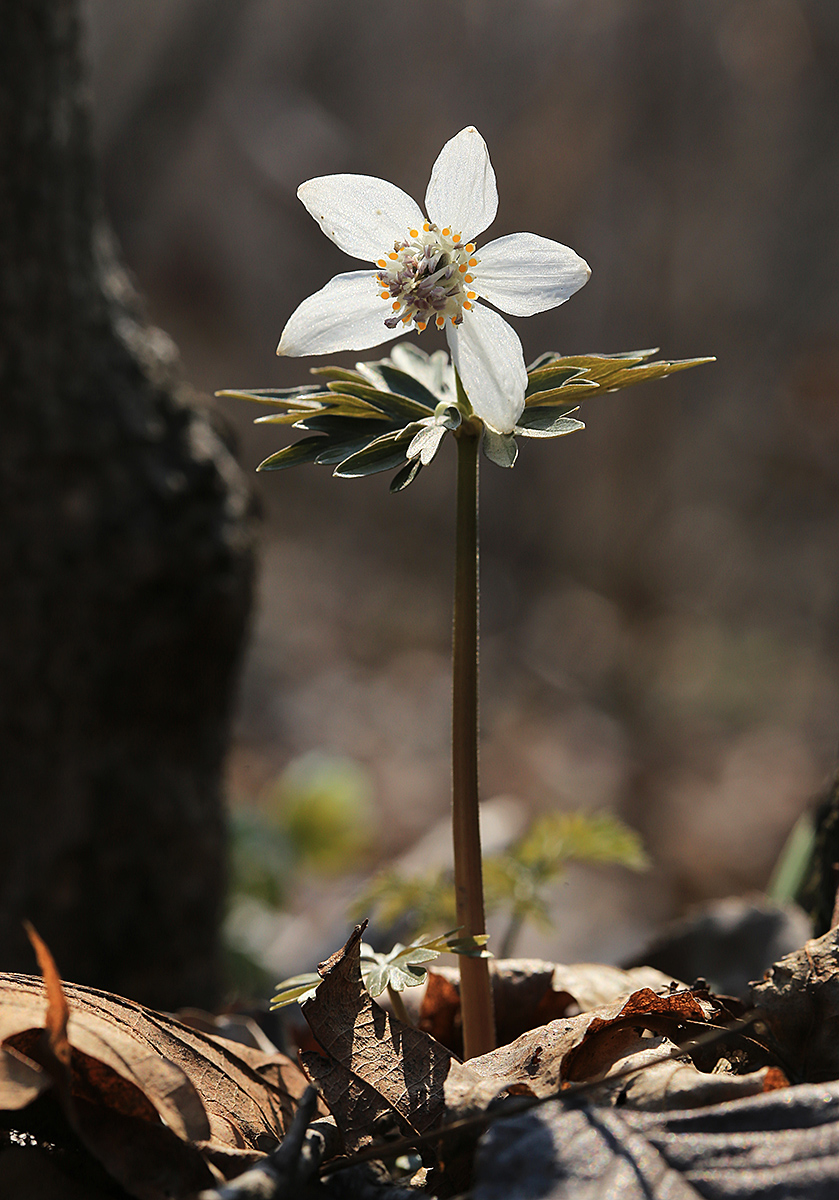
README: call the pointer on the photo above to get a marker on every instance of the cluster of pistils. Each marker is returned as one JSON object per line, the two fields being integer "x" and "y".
{"x": 427, "y": 278}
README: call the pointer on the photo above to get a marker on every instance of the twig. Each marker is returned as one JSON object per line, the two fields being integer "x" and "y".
{"x": 283, "y": 1174}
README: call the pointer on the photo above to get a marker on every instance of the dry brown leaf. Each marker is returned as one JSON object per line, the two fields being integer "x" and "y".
{"x": 158, "y": 1105}
{"x": 381, "y": 1076}
{"x": 585, "y": 1047}
{"x": 198, "y": 1083}
{"x": 529, "y": 993}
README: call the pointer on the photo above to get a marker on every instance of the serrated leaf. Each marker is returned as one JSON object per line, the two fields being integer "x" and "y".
{"x": 382, "y": 454}
{"x": 406, "y": 476}
{"x": 499, "y": 448}
{"x": 298, "y": 987}
{"x": 304, "y": 451}
{"x": 395, "y": 406}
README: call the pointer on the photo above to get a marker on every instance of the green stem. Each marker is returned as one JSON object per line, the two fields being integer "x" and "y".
{"x": 398, "y": 1005}
{"x": 475, "y": 989}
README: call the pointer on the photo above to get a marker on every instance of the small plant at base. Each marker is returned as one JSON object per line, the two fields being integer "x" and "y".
{"x": 402, "y": 967}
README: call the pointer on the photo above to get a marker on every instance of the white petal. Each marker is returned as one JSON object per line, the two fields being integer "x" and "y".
{"x": 461, "y": 192}
{"x": 487, "y": 355}
{"x": 523, "y": 273}
{"x": 362, "y": 215}
{"x": 347, "y": 314}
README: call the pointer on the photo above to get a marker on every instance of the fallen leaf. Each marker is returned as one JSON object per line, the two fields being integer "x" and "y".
{"x": 529, "y": 993}
{"x": 382, "y": 1077}
{"x": 586, "y": 1047}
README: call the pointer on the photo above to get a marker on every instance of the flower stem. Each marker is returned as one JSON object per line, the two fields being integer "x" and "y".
{"x": 475, "y": 990}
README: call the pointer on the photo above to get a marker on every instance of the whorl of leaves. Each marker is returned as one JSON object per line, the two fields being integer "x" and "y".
{"x": 362, "y": 421}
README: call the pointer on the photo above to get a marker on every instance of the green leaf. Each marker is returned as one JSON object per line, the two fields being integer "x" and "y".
{"x": 573, "y": 392}
{"x": 304, "y": 451}
{"x": 382, "y": 454}
{"x": 334, "y": 373}
{"x": 546, "y": 422}
{"x": 298, "y": 987}
{"x": 297, "y": 396}
{"x": 405, "y": 385}
{"x": 402, "y": 967}
{"x": 395, "y": 406}
{"x": 406, "y": 476}
{"x": 344, "y": 428}
{"x": 292, "y": 417}
{"x": 543, "y": 378}
{"x": 500, "y": 448}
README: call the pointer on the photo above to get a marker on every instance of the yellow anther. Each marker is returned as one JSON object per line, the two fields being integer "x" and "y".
{"x": 473, "y": 262}
{"x": 471, "y": 295}
{"x": 466, "y": 304}
{"x": 406, "y": 318}
{"x": 421, "y": 325}
{"x": 380, "y": 262}
{"x": 456, "y": 237}
{"x": 468, "y": 278}
{"x": 445, "y": 232}
{"x": 441, "y": 322}
{"x": 394, "y": 257}
{"x": 427, "y": 227}
{"x": 469, "y": 247}
{"x": 396, "y": 304}
{"x": 414, "y": 232}
{"x": 462, "y": 268}
{"x": 385, "y": 295}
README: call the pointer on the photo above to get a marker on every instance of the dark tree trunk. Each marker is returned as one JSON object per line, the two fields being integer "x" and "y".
{"x": 124, "y": 575}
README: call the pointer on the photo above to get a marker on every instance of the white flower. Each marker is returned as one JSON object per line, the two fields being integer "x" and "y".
{"x": 433, "y": 273}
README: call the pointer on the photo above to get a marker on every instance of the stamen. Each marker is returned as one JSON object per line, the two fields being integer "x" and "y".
{"x": 466, "y": 304}
{"x": 380, "y": 262}
{"x": 385, "y": 295}
{"x": 414, "y": 232}
{"x": 427, "y": 227}
{"x": 396, "y": 304}
{"x": 468, "y": 278}
{"x": 456, "y": 237}
{"x": 393, "y": 256}
{"x": 441, "y": 322}
{"x": 473, "y": 262}
{"x": 471, "y": 295}
{"x": 462, "y": 268}
{"x": 446, "y": 232}
{"x": 421, "y": 325}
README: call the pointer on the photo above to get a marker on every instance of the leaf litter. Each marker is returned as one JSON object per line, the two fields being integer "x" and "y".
{"x": 640, "y": 1086}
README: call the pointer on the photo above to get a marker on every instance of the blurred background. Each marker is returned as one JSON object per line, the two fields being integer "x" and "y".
{"x": 661, "y": 592}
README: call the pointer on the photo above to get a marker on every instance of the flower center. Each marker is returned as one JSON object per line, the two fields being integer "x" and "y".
{"x": 427, "y": 278}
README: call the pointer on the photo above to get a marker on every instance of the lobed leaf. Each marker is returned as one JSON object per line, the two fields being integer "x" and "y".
{"x": 545, "y": 422}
